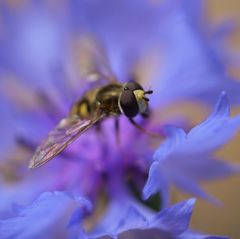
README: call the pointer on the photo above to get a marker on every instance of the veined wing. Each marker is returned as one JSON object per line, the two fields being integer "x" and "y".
{"x": 92, "y": 61}
{"x": 68, "y": 130}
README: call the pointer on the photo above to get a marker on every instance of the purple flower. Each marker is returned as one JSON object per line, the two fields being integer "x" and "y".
{"x": 43, "y": 70}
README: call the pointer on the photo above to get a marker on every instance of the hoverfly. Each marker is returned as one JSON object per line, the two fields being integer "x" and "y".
{"x": 111, "y": 99}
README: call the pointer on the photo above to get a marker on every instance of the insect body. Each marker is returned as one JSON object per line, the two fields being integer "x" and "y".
{"x": 104, "y": 99}
{"x": 112, "y": 99}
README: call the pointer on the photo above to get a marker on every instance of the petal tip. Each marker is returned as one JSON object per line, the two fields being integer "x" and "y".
{"x": 145, "y": 194}
{"x": 192, "y": 201}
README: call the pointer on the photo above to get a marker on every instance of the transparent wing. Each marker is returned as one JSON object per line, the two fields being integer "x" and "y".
{"x": 68, "y": 130}
{"x": 91, "y": 60}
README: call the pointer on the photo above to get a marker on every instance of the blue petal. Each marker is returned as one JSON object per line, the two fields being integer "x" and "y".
{"x": 186, "y": 160}
{"x": 177, "y": 136}
{"x": 135, "y": 222}
{"x": 216, "y": 130}
{"x": 133, "y": 219}
{"x": 194, "y": 235}
{"x": 171, "y": 25}
{"x": 156, "y": 184}
{"x": 39, "y": 219}
{"x": 176, "y": 218}
{"x": 201, "y": 72}
{"x": 26, "y": 32}
{"x": 123, "y": 213}
{"x": 79, "y": 213}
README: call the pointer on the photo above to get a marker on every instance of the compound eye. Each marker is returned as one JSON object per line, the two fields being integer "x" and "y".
{"x": 133, "y": 85}
{"x": 128, "y": 103}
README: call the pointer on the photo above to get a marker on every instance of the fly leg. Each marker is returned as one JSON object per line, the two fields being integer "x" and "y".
{"x": 117, "y": 132}
{"x": 135, "y": 124}
{"x": 101, "y": 139}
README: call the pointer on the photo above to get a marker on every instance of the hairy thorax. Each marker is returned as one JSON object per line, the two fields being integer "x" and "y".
{"x": 105, "y": 98}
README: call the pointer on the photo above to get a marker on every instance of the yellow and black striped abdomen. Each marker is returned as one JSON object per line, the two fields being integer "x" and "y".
{"x": 82, "y": 109}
